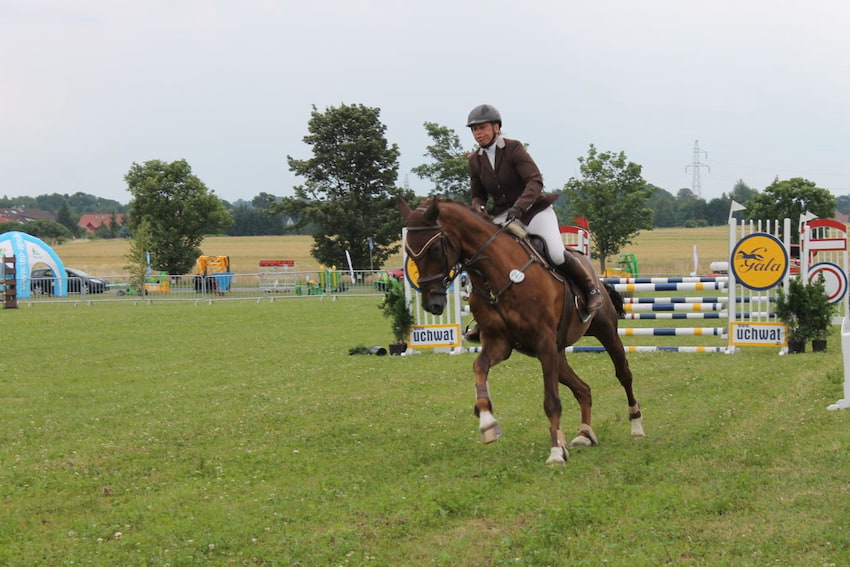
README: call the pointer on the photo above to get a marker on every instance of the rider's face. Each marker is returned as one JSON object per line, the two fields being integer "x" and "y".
{"x": 485, "y": 133}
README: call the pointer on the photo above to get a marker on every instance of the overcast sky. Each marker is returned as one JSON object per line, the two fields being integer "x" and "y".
{"x": 91, "y": 86}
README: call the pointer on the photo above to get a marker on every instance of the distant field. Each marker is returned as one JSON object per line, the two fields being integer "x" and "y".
{"x": 660, "y": 251}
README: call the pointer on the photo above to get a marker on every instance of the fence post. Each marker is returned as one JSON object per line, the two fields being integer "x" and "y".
{"x": 10, "y": 283}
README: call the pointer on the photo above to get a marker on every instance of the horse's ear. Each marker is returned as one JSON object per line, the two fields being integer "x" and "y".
{"x": 432, "y": 212}
{"x": 403, "y": 207}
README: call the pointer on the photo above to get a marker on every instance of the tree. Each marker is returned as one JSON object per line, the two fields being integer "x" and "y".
{"x": 612, "y": 196}
{"x": 349, "y": 192}
{"x": 663, "y": 205}
{"x": 717, "y": 210}
{"x": 50, "y": 231}
{"x": 843, "y": 204}
{"x": 790, "y": 198}
{"x": 690, "y": 209}
{"x": 742, "y": 192}
{"x": 64, "y": 218}
{"x": 450, "y": 170}
{"x": 141, "y": 244}
{"x": 114, "y": 225}
{"x": 179, "y": 210}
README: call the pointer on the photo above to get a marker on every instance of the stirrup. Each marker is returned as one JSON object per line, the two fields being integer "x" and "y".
{"x": 473, "y": 334}
{"x": 588, "y": 312}
{"x": 594, "y": 300}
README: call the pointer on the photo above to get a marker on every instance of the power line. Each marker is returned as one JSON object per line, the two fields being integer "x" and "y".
{"x": 696, "y": 183}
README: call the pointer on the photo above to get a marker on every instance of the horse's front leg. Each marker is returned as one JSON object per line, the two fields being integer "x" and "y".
{"x": 567, "y": 376}
{"x": 558, "y": 454}
{"x": 490, "y": 356}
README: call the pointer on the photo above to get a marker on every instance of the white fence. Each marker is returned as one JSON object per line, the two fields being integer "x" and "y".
{"x": 255, "y": 286}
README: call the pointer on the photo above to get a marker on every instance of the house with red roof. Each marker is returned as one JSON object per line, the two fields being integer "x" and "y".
{"x": 93, "y": 221}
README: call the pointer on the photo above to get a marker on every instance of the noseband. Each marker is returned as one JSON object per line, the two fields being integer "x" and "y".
{"x": 439, "y": 238}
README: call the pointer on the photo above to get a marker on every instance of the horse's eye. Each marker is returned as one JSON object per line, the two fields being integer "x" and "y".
{"x": 434, "y": 252}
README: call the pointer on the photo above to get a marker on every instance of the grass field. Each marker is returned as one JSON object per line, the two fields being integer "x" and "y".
{"x": 662, "y": 251}
{"x": 243, "y": 433}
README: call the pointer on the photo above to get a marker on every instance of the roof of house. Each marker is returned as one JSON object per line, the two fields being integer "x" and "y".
{"x": 93, "y": 221}
{"x": 20, "y": 214}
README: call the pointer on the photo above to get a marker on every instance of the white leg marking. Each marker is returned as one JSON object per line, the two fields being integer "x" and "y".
{"x": 558, "y": 456}
{"x": 489, "y": 427}
{"x": 637, "y": 427}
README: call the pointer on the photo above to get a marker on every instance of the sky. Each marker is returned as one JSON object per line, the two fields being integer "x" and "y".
{"x": 87, "y": 88}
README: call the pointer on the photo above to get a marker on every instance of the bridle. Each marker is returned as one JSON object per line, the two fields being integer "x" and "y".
{"x": 450, "y": 270}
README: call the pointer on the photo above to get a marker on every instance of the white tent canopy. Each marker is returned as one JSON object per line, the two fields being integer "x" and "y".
{"x": 29, "y": 251}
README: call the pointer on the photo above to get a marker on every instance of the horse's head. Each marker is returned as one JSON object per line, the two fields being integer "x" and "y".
{"x": 432, "y": 251}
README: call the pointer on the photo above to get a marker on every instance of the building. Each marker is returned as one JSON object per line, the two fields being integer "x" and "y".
{"x": 22, "y": 215}
{"x": 90, "y": 222}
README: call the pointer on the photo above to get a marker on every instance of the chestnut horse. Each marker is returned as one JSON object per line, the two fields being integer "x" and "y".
{"x": 519, "y": 303}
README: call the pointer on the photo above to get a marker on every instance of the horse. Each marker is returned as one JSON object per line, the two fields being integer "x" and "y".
{"x": 520, "y": 303}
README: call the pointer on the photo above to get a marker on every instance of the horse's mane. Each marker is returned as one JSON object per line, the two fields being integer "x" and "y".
{"x": 467, "y": 208}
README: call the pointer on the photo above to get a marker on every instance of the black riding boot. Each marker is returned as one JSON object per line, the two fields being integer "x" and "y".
{"x": 574, "y": 270}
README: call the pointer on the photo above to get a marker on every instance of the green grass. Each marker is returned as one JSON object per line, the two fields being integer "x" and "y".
{"x": 244, "y": 434}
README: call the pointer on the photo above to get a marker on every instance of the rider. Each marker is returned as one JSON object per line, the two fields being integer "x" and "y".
{"x": 503, "y": 170}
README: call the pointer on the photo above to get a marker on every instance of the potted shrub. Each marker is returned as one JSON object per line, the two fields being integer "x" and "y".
{"x": 807, "y": 312}
{"x": 790, "y": 309}
{"x": 396, "y": 310}
{"x": 819, "y": 317}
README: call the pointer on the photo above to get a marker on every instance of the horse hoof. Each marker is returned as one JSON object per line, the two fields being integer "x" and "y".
{"x": 586, "y": 437}
{"x": 489, "y": 427}
{"x": 637, "y": 428}
{"x": 558, "y": 456}
{"x": 581, "y": 441}
{"x": 491, "y": 434}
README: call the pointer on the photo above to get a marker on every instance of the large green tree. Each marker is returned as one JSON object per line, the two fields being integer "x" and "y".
{"x": 449, "y": 170}
{"x": 349, "y": 190}
{"x": 179, "y": 210}
{"x": 790, "y": 198}
{"x": 612, "y": 195}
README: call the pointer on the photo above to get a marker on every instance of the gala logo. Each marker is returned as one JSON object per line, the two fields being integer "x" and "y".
{"x": 759, "y": 261}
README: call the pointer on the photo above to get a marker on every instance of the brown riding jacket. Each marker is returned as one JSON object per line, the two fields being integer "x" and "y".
{"x": 514, "y": 181}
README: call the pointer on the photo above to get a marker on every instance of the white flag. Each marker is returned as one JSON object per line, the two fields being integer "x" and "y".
{"x": 696, "y": 261}
{"x": 807, "y": 216}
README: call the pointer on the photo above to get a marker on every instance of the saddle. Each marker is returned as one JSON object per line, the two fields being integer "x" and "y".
{"x": 537, "y": 246}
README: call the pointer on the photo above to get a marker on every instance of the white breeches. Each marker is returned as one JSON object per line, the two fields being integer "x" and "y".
{"x": 545, "y": 225}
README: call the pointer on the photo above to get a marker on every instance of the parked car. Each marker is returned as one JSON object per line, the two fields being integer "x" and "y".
{"x": 43, "y": 282}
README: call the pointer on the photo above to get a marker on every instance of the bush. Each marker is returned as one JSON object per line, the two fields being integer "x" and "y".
{"x": 805, "y": 309}
{"x": 395, "y": 308}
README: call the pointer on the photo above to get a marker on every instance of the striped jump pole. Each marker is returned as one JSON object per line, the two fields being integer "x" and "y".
{"x": 631, "y": 349}
{"x": 707, "y": 307}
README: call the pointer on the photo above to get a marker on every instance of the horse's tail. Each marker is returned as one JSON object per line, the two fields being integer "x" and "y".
{"x": 616, "y": 299}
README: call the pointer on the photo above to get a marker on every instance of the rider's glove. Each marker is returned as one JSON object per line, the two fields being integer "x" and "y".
{"x": 513, "y": 213}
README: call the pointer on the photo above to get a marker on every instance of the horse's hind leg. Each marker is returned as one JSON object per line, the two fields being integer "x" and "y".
{"x": 490, "y": 355}
{"x": 609, "y": 339}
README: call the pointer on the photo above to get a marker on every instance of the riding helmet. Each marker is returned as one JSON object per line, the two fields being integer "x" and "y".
{"x": 484, "y": 113}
